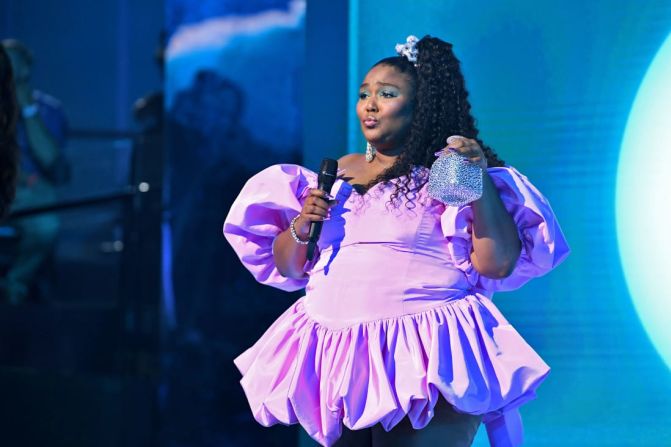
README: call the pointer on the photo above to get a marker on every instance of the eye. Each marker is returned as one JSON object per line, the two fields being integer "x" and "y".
{"x": 363, "y": 95}
{"x": 388, "y": 94}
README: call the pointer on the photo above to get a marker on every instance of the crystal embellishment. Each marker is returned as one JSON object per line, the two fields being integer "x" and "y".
{"x": 454, "y": 180}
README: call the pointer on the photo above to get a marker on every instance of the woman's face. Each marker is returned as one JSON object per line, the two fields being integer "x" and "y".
{"x": 385, "y": 107}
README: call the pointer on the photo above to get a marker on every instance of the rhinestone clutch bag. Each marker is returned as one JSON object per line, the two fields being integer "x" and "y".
{"x": 454, "y": 180}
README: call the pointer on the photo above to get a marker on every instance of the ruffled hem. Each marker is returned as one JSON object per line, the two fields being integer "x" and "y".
{"x": 382, "y": 371}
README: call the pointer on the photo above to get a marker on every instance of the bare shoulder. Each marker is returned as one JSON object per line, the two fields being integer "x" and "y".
{"x": 350, "y": 161}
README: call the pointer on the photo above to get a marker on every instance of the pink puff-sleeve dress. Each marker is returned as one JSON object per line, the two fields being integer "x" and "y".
{"x": 394, "y": 315}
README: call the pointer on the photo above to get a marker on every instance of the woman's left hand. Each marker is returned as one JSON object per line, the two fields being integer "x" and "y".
{"x": 467, "y": 147}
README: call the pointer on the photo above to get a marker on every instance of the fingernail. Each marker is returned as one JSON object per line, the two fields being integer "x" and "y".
{"x": 444, "y": 151}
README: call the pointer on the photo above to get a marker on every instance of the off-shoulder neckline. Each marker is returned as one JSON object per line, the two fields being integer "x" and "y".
{"x": 377, "y": 185}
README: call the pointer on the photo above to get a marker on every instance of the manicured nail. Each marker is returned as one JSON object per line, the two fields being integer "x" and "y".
{"x": 444, "y": 151}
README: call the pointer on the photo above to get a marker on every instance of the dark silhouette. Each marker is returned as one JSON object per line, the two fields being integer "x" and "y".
{"x": 9, "y": 152}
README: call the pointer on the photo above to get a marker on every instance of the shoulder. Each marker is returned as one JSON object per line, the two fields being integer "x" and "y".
{"x": 351, "y": 161}
{"x": 506, "y": 172}
{"x": 514, "y": 186}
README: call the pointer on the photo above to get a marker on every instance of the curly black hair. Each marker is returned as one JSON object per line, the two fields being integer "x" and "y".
{"x": 441, "y": 109}
{"x": 9, "y": 152}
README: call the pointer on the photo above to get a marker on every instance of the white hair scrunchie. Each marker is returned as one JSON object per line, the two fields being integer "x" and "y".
{"x": 408, "y": 49}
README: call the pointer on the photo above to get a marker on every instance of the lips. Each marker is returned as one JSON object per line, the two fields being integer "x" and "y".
{"x": 370, "y": 122}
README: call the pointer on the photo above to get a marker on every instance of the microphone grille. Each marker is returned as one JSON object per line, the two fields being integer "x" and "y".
{"x": 329, "y": 166}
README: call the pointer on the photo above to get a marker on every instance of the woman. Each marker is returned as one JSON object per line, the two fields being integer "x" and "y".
{"x": 397, "y": 331}
{"x": 8, "y": 147}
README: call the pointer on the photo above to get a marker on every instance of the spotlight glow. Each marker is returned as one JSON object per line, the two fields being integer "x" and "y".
{"x": 643, "y": 201}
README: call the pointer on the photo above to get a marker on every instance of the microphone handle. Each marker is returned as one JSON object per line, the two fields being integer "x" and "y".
{"x": 311, "y": 250}
{"x": 315, "y": 229}
{"x": 327, "y": 174}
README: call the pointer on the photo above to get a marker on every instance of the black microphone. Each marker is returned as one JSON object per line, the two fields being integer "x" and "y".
{"x": 326, "y": 179}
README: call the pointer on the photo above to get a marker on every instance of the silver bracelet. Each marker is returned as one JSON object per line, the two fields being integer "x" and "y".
{"x": 294, "y": 235}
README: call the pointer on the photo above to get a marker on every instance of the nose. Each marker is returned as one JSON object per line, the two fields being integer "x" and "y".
{"x": 371, "y": 105}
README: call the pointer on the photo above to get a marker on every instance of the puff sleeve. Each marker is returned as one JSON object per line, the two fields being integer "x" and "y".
{"x": 543, "y": 243}
{"x": 263, "y": 209}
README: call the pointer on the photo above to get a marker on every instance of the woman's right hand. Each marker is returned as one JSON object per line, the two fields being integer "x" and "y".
{"x": 316, "y": 208}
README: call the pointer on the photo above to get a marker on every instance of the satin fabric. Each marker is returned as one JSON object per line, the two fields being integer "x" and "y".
{"x": 395, "y": 316}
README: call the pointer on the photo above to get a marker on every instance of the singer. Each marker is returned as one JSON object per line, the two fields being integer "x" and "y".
{"x": 396, "y": 341}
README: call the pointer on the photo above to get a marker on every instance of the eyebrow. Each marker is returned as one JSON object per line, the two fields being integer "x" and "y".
{"x": 365, "y": 84}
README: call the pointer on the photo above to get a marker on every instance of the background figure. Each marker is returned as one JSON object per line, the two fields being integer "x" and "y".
{"x": 148, "y": 110}
{"x": 8, "y": 149}
{"x": 41, "y": 136}
{"x": 218, "y": 305}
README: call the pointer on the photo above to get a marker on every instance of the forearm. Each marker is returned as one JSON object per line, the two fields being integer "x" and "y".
{"x": 42, "y": 145}
{"x": 496, "y": 245}
{"x": 290, "y": 257}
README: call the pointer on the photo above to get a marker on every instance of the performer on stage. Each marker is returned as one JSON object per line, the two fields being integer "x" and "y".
{"x": 396, "y": 338}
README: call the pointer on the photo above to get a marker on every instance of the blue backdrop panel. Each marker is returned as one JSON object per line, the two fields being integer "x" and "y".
{"x": 233, "y": 101}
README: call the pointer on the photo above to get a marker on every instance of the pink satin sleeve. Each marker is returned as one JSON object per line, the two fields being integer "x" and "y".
{"x": 543, "y": 243}
{"x": 263, "y": 209}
